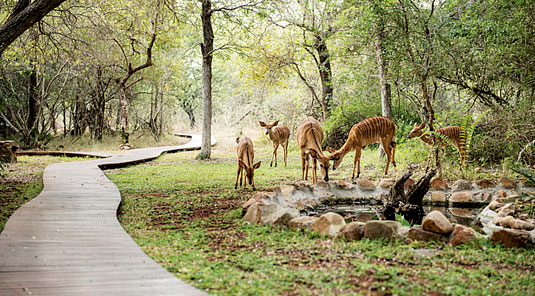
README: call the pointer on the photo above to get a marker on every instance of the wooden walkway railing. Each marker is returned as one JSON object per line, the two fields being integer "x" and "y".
{"x": 68, "y": 241}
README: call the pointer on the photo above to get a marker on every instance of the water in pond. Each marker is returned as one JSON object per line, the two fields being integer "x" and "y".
{"x": 366, "y": 212}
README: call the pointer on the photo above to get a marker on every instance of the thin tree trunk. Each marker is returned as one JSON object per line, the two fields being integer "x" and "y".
{"x": 386, "y": 102}
{"x": 325, "y": 72}
{"x": 32, "y": 101}
{"x": 207, "y": 48}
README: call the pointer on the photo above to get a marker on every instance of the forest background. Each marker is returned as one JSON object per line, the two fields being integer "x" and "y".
{"x": 106, "y": 68}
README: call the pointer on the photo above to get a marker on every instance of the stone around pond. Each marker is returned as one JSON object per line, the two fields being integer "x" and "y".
{"x": 484, "y": 183}
{"x": 366, "y": 185}
{"x": 462, "y": 234}
{"x": 438, "y": 223}
{"x": 386, "y": 183}
{"x": 381, "y": 229}
{"x": 438, "y": 196}
{"x": 510, "y": 238}
{"x": 438, "y": 183}
{"x": 419, "y": 234}
{"x": 287, "y": 190}
{"x": 461, "y": 212}
{"x": 506, "y": 182}
{"x": 302, "y": 222}
{"x": 341, "y": 184}
{"x": 353, "y": 231}
{"x": 460, "y": 185}
{"x": 329, "y": 224}
{"x": 461, "y": 197}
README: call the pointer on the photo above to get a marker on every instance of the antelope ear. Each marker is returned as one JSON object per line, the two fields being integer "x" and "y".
{"x": 237, "y": 140}
{"x": 422, "y": 125}
{"x": 241, "y": 163}
{"x": 331, "y": 150}
{"x": 262, "y": 124}
{"x": 275, "y": 123}
{"x": 416, "y": 124}
{"x": 257, "y": 165}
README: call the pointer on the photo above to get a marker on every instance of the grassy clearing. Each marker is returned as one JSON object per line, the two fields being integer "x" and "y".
{"x": 185, "y": 214}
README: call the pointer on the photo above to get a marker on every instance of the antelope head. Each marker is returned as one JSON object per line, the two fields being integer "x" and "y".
{"x": 336, "y": 157}
{"x": 268, "y": 126}
{"x": 417, "y": 131}
{"x": 249, "y": 170}
{"x": 324, "y": 163}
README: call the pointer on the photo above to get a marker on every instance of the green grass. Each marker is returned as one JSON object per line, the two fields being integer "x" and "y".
{"x": 186, "y": 215}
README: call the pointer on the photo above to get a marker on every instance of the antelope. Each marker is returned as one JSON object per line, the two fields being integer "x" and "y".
{"x": 309, "y": 137}
{"x": 245, "y": 162}
{"x": 377, "y": 129}
{"x": 456, "y": 134}
{"x": 279, "y": 136}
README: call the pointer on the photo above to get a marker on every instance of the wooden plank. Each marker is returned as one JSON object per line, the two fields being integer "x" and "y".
{"x": 68, "y": 241}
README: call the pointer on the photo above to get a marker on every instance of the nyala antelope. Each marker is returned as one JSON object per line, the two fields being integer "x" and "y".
{"x": 245, "y": 162}
{"x": 456, "y": 134}
{"x": 279, "y": 136}
{"x": 377, "y": 129}
{"x": 309, "y": 137}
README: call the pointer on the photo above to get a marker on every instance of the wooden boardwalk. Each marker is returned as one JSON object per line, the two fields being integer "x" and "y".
{"x": 68, "y": 241}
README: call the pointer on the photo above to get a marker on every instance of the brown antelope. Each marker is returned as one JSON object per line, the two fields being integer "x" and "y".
{"x": 309, "y": 137}
{"x": 279, "y": 136}
{"x": 456, "y": 134}
{"x": 377, "y": 129}
{"x": 245, "y": 162}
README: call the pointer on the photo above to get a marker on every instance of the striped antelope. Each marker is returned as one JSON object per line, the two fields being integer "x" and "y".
{"x": 279, "y": 136}
{"x": 377, "y": 129}
{"x": 309, "y": 137}
{"x": 456, "y": 134}
{"x": 245, "y": 162}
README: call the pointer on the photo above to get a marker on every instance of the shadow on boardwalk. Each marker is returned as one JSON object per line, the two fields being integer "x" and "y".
{"x": 68, "y": 241}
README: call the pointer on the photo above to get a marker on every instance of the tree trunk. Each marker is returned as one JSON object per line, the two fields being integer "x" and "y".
{"x": 325, "y": 71}
{"x": 23, "y": 16}
{"x": 207, "y": 48}
{"x": 32, "y": 101}
{"x": 386, "y": 102}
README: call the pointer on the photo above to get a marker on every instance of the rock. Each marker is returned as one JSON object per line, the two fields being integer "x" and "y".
{"x": 438, "y": 223}
{"x": 510, "y": 238}
{"x": 248, "y": 203}
{"x": 329, "y": 224}
{"x": 381, "y": 229}
{"x": 484, "y": 183}
{"x": 302, "y": 222}
{"x": 504, "y": 221}
{"x": 438, "y": 184}
{"x": 353, "y": 231}
{"x": 409, "y": 183}
{"x": 495, "y": 205}
{"x": 506, "y": 182}
{"x": 302, "y": 185}
{"x": 419, "y": 234}
{"x": 403, "y": 231}
{"x": 483, "y": 197}
{"x": 287, "y": 190}
{"x": 438, "y": 196}
{"x": 505, "y": 211}
{"x": 462, "y": 234}
{"x": 461, "y": 212}
{"x": 462, "y": 185}
{"x": 501, "y": 194}
{"x": 341, "y": 184}
{"x": 322, "y": 183}
{"x": 461, "y": 197}
{"x": 264, "y": 195}
{"x": 253, "y": 214}
{"x": 366, "y": 185}
{"x": 286, "y": 217}
{"x": 386, "y": 183}
{"x": 523, "y": 225}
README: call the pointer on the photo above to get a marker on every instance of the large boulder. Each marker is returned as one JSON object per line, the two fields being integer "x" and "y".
{"x": 353, "y": 231}
{"x": 253, "y": 213}
{"x": 329, "y": 224}
{"x": 381, "y": 229}
{"x": 272, "y": 213}
{"x": 438, "y": 223}
{"x": 419, "y": 234}
{"x": 302, "y": 222}
{"x": 510, "y": 238}
{"x": 462, "y": 234}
